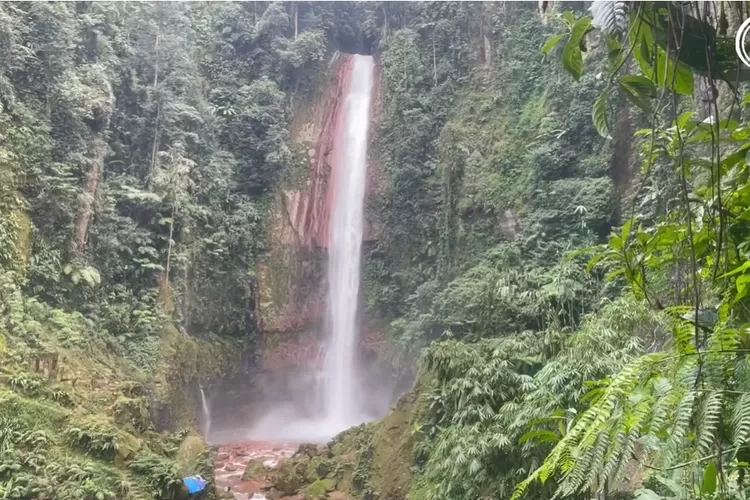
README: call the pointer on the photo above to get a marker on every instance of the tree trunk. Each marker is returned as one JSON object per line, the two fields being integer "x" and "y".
{"x": 385, "y": 22}
{"x": 48, "y": 87}
{"x": 707, "y": 92}
{"x": 188, "y": 277}
{"x": 155, "y": 145}
{"x": 95, "y": 159}
{"x": 169, "y": 247}
{"x": 434, "y": 60}
{"x": 486, "y": 32}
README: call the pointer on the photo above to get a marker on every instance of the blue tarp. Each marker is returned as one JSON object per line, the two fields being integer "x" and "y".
{"x": 195, "y": 484}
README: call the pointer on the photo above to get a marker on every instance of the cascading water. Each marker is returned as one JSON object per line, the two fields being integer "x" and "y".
{"x": 314, "y": 415}
{"x": 206, "y": 413}
{"x": 336, "y": 404}
{"x": 341, "y": 396}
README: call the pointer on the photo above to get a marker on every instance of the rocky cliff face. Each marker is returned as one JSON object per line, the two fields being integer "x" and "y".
{"x": 292, "y": 278}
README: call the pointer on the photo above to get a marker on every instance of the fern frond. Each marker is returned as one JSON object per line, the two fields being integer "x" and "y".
{"x": 708, "y": 421}
{"x": 741, "y": 421}
{"x": 684, "y": 400}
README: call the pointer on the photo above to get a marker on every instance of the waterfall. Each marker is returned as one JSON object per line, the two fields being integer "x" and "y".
{"x": 345, "y": 248}
{"x": 206, "y": 413}
{"x": 339, "y": 396}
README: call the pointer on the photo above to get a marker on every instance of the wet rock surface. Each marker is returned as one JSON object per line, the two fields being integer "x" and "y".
{"x": 263, "y": 458}
{"x": 368, "y": 461}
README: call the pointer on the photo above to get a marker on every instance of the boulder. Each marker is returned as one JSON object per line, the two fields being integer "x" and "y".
{"x": 290, "y": 477}
{"x": 309, "y": 450}
{"x": 320, "y": 489}
{"x": 188, "y": 454}
{"x": 255, "y": 470}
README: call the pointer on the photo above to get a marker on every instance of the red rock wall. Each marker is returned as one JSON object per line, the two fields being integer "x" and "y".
{"x": 292, "y": 277}
{"x": 283, "y": 350}
{"x": 309, "y": 210}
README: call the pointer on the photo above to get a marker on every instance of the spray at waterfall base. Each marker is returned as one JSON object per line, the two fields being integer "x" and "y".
{"x": 287, "y": 404}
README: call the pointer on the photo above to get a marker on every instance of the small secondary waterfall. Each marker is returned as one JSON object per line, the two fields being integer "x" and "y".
{"x": 345, "y": 248}
{"x": 206, "y": 413}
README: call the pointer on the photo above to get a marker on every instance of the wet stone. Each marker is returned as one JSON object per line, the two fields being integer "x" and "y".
{"x": 245, "y": 470}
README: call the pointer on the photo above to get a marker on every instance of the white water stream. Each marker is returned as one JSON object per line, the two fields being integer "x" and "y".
{"x": 341, "y": 399}
{"x": 206, "y": 413}
{"x": 345, "y": 251}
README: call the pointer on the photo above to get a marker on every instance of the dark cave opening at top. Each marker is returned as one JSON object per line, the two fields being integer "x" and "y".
{"x": 349, "y": 41}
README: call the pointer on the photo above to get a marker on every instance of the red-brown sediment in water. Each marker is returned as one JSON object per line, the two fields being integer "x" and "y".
{"x": 232, "y": 460}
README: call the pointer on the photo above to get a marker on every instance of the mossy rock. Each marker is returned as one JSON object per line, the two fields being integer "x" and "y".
{"x": 157, "y": 442}
{"x": 271, "y": 494}
{"x": 309, "y": 450}
{"x": 189, "y": 454}
{"x": 320, "y": 489}
{"x": 344, "y": 442}
{"x": 345, "y": 477}
{"x": 182, "y": 493}
{"x": 183, "y": 362}
{"x": 291, "y": 477}
{"x": 393, "y": 442}
{"x": 132, "y": 412}
{"x": 128, "y": 445}
{"x": 255, "y": 470}
{"x": 338, "y": 449}
{"x": 324, "y": 468}
{"x": 319, "y": 468}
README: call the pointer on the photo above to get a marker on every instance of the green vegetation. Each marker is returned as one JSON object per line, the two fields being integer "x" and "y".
{"x": 140, "y": 147}
{"x": 576, "y": 286}
{"x": 562, "y": 209}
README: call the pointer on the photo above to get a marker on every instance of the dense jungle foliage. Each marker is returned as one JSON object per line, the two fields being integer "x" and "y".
{"x": 140, "y": 144}
{"x": 563, "y": 221}
{"x": 575, "y": 254}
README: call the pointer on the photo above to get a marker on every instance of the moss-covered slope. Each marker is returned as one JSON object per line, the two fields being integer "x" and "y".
{"x": 79, "y": 421}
